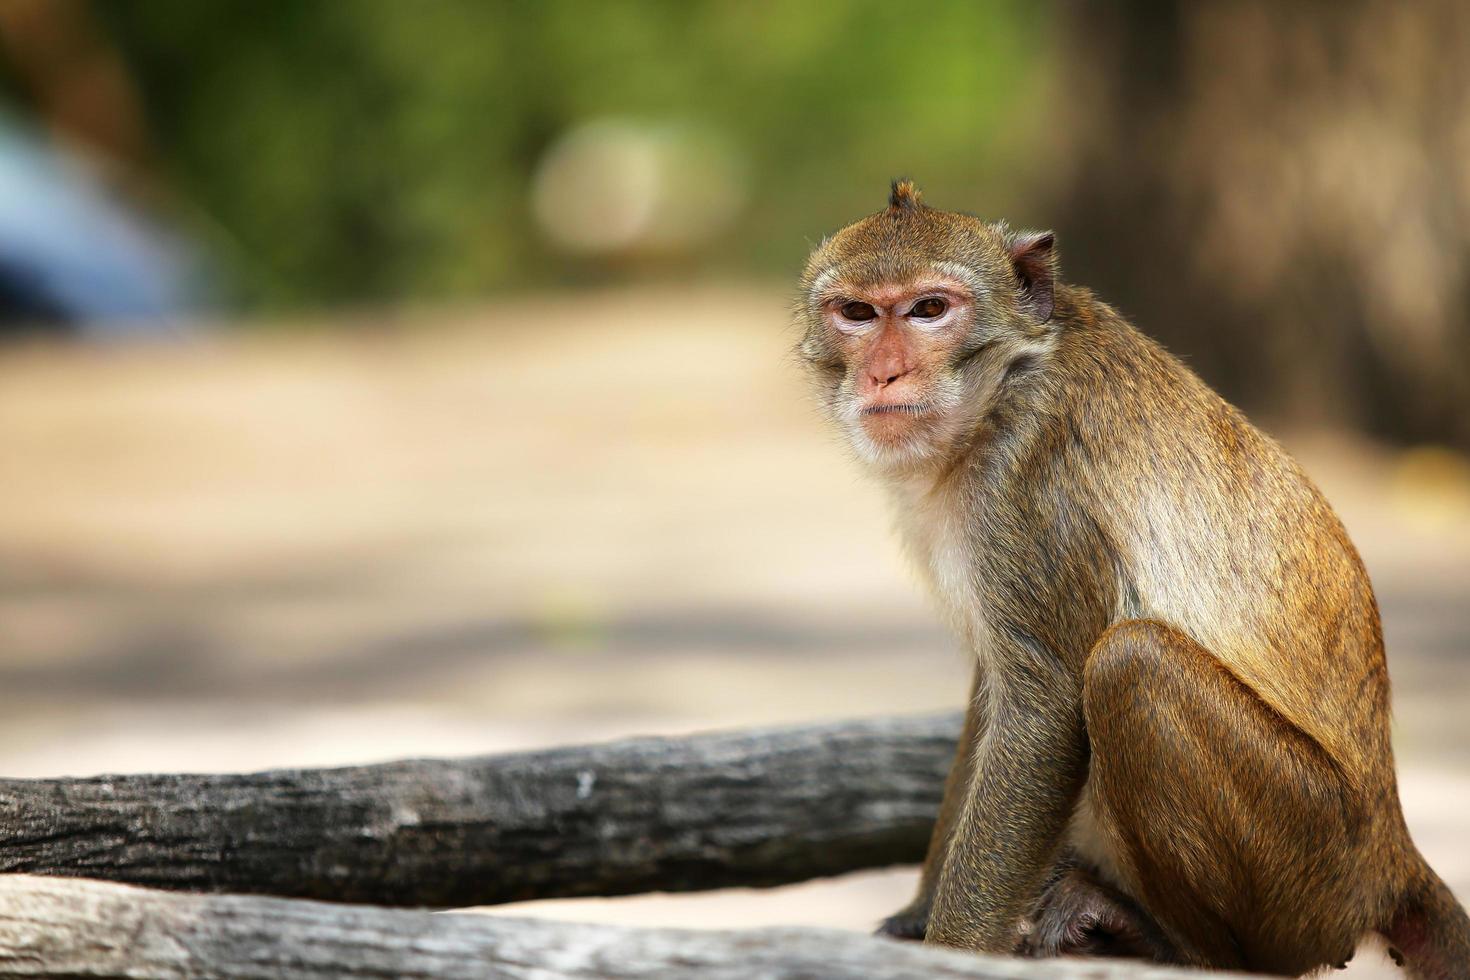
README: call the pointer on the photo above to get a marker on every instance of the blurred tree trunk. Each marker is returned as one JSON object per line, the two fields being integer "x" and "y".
{"x": 1281, "y": 194}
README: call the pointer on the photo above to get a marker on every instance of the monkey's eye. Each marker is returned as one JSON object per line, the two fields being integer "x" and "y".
{"x": 858, "y": 311}
{"x": 928, "y": 309}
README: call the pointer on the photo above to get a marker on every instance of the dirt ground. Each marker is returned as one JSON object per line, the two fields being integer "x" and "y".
{"x": 472, "y": 531}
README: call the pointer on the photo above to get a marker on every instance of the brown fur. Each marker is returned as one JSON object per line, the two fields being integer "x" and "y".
{"x": 1180, "y": 662}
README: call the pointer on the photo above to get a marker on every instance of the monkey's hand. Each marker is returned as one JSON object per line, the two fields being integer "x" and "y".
{"x": 910, "y": 922}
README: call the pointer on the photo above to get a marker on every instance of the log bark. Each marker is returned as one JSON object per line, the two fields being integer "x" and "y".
{"x": 751, "y": 808}
{"x": 56, "y": 928}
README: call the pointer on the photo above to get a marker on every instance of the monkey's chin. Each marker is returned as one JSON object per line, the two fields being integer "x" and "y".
{"x": 893, "y": 440}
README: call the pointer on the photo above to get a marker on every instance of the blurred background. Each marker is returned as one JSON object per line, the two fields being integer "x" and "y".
{"x": 381, "y": 379}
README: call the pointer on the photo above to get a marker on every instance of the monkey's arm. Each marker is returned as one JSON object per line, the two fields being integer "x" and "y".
{"x": 912, "y": 920}
{"x": 1028, "y": 770}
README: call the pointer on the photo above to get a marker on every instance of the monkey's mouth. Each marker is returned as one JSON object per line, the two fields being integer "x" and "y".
{"x": 912, "y": 408}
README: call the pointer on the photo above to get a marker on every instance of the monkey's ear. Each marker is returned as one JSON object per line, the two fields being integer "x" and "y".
{"x": 1035, "y": 261}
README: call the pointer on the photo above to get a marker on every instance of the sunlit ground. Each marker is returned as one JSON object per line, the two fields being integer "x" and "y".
{"x": 533, "y": 524}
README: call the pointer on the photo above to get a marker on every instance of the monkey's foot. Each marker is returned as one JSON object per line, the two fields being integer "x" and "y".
{"x": 907, "y": 923}
{"x": 1080, "y": 916}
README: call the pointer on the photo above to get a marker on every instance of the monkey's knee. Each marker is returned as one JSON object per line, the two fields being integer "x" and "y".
{"x": 1127, "y": 662}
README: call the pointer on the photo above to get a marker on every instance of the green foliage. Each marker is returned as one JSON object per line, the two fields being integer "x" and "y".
{"x": 367, "y": 150}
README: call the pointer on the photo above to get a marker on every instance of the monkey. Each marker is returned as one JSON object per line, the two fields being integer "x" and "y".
{"x": 1177, "y": 740}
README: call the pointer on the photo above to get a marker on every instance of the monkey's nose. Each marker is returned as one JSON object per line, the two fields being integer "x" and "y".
{"x": 884, "y": 378}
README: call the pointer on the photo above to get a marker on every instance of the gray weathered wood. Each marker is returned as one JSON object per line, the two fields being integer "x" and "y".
{"x": 711, "y": 811}
{"x": 56, "y": 928}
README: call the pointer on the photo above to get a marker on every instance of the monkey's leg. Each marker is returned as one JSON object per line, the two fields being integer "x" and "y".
{"x": 911, "y": 921}
{"x": 1081, "y": 916}
{"x": 1234, "y": 828}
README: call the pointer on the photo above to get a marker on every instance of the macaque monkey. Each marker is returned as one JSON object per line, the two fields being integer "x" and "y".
{"x": 1177, "y": 745}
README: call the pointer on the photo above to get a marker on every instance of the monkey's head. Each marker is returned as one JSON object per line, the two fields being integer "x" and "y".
{"x": 914, "y": 318}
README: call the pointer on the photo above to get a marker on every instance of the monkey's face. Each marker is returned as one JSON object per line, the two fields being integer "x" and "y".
{"x": 911, "y": 317}
{"x": 894, "y": 352}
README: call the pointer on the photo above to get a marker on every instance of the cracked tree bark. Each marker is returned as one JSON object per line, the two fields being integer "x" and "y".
{"x": 711, "y": 811}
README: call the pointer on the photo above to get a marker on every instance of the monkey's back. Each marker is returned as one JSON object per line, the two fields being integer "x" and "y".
{"x": 1218, "y": 532}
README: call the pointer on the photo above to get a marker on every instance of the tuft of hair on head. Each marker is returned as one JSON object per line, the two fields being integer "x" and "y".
{"x": 904, "y": 196}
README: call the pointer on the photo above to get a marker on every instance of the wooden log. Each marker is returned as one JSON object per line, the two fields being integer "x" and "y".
{"x": 750, "y": 808}
{"x": 56, "y": 928}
